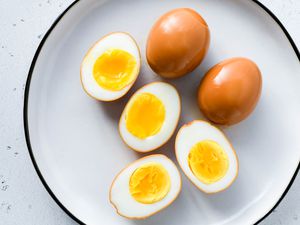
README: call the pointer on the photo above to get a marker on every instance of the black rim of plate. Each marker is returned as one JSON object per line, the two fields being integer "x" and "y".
{"x": 25, "y": 109}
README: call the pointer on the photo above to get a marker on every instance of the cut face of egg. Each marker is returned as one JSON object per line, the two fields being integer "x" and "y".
{"x": 145, "y": 187}
{"x": 150, "y": 117}
{"x": 110, "y": 67}
{"x": 206, "y": 156}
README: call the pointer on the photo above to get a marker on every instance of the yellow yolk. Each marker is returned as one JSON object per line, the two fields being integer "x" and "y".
{"x": 149, "y": 183}
{"x": 145, "y": 115}
{"x": 115, "y": 69}
{"x": 208, "y": 161}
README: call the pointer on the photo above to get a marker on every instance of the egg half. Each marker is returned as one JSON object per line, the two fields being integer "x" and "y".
{"x": 206, "y": 156}
{"x": 110, "y": 67}
{"x": 145, "y": 187}
{"x": 150, "y": 117}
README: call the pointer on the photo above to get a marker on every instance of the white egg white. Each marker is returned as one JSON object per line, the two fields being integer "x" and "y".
{"x": 197, "y": 131}
{"x": 126, "y": 205}
{"x": 168, "y": 95}
{"x": 116, "y": 40}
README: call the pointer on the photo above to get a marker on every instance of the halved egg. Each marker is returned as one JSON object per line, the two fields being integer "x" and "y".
{"x": 110, "y": 67}
{"x": 206, "y": 156}
{"x": 150, "y": 117}
{"x": 145, "y": 187}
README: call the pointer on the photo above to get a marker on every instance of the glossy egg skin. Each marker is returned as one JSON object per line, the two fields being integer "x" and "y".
{"x": 230, "y": 90}
{"x": 177, "y": 43}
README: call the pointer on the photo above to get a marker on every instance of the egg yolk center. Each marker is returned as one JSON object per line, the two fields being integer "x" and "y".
{"x": 145, "y": 116}
{"x": 208, "y": 161}
{"x": 149, "y": 183}
{"x": 115, "y": 69}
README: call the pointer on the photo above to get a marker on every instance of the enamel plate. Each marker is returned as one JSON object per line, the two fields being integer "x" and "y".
{"x": 74, "y": 141}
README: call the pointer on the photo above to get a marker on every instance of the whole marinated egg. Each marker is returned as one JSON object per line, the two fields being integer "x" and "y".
{"x": 206, "y": 156}
{"x": 110, "y": 67}
{"x": 177, "y": 43}
{"x": 150, "y": 117}
{"x": 145, "y": 187}
{"x": 229, "y": 91}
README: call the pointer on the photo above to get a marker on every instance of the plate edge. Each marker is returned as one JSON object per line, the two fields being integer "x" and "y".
{"x": 25, "y": 114}
{"x": 276, "y": 19}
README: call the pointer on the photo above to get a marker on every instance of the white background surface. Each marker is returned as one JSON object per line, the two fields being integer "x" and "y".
{"x": 23, "y": 199}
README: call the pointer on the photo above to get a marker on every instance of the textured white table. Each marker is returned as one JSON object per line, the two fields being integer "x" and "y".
{"x": 23, "y": 199}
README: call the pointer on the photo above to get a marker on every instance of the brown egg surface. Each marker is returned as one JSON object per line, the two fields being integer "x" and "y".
{"x": 177, "y": 43}
{"x": 229, "y": 91}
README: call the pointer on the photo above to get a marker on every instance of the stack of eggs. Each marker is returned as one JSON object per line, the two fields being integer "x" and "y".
{"x": 227, "y": 94}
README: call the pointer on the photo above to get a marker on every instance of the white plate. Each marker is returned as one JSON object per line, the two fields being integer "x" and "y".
{"x": 74, "y": 142}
